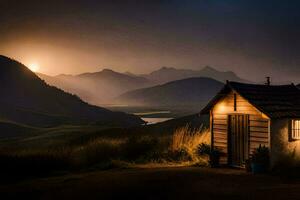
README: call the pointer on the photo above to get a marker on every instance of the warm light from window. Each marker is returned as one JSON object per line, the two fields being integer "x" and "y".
{"x": 221, "y": 107}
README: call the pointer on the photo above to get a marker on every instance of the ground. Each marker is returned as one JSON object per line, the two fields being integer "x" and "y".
{"x": 158, "y": 183}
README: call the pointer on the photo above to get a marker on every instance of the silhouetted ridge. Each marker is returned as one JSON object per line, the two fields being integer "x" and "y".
{"x": 191, "y": 91}
{"x": 25, "y": 98}
{"x": 167, "y": 74}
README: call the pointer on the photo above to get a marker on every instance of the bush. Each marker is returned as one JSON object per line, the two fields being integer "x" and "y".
{"x": 203, "y": 149}
{"x": 260, "y": 160}
{"x": 213, "y": 154}
{"x": 261, "y": 156}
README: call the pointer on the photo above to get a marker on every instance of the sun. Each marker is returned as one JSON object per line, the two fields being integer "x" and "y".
{"x": 34, "y": 67}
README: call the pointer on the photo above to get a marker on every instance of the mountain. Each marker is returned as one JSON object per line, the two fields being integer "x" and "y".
{"x": 166, "y": 74}
{"x": 26, "y": 99}
{"x": 99, "y": 87}
{"x": 102, "y": 87}
{"x": 186, "y": 92}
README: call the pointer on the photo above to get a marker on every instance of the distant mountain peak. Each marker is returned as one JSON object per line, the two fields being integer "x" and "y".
{"x": 103, "y": 72}
{"x": 107, "y": 70}
{"x": 64, "y": 75}
{"x": 214, "y": 70}
{"x": 167, "y": 68}
{"x": 167, "y": 74}
{"x": 130, "y": 74}
{"x": 209, "y": 68}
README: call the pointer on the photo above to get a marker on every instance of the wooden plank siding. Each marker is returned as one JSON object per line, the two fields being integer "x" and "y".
{"x": 258, "y": 124}
{"x": 259, "y": 132}
{"x": 220, "y": 136}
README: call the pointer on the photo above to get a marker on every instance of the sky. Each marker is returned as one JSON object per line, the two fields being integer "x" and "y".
{"x": 254, "y": 38}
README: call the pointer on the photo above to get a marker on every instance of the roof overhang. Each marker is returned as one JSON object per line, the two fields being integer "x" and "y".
{"x": 223, "y": 92}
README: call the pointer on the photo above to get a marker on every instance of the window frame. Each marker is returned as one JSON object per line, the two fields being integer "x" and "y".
{"x": 293, "y": 130}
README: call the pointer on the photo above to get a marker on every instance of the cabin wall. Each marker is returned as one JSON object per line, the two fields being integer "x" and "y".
{"x": 258, "y": 124}
{"x": 281, "y": 145}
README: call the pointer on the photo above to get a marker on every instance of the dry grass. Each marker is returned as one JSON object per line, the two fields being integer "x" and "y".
{"x": 188, "y": 139}
{"x": 146, "y": 151}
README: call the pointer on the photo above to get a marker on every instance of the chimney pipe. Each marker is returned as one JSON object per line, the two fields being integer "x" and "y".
{"x": 268, "y": 80}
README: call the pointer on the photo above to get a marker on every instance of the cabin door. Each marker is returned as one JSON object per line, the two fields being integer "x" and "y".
{"x": 238, "y": 136}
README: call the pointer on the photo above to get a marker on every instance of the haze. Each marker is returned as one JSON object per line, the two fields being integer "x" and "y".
{"x": 252, "y": 38}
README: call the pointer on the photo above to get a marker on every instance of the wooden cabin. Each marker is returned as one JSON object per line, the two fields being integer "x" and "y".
{"x": 244, "y": 116}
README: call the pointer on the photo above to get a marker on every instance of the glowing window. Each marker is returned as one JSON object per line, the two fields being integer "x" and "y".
{"x": 296, "y": 129}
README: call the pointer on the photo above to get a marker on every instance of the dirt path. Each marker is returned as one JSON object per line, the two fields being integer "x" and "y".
{"x": 166, "y": 183}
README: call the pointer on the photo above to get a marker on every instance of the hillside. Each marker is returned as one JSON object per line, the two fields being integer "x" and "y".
{"x": 99, "y": 87}
{"x": 187, "y": 92}
{"x": 26, "y": 99}
{"x": 166, "y": 74}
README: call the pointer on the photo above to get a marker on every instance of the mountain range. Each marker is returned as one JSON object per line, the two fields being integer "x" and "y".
{"x": 103, "y": 87}
{"x": 99, "y": 87}
{"x": 167, "y": 74}
{"x": 26, "y": 99}
{"x": 191, "y": 92}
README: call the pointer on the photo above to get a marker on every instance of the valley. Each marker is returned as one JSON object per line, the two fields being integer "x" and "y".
{"x": 149, "y": 99}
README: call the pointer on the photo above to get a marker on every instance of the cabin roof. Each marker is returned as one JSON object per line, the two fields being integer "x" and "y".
{"x": 276, "y": 101}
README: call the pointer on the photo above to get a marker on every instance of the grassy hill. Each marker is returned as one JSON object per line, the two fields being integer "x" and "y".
{"x": 26, "y": 99}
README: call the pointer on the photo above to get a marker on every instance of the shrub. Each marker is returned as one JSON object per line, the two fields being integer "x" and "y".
{"x": 203, "y": 149}
{"x": 213, "y": 154}
{"x": 260, "y": 160}
{"x": 261, "y": 156}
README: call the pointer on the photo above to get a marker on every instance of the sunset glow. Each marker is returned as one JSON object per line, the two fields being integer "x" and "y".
{"x": 150, "y": 99}
{"x": 34, "y": 67}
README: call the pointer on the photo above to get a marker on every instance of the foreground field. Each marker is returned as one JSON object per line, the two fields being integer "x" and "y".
{"x": 157, "y": 183}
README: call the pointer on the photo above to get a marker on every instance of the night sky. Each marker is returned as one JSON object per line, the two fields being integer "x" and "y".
{"x": 252, "y": 38}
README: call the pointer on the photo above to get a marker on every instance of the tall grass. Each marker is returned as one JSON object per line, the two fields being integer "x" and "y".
{"x": 96, "y": 151}
{"x": 187, "y": 139}
{"x": 141, "y": 149}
